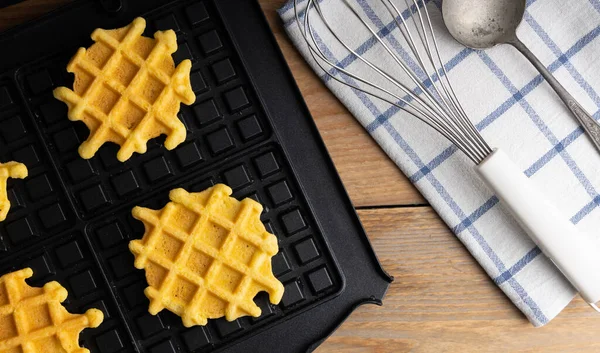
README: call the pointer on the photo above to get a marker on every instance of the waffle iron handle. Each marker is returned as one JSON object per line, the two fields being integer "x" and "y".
{"x": 576, "y": 254}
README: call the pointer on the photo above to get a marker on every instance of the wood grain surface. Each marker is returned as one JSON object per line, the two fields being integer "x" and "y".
{"x": 441, "y": 300}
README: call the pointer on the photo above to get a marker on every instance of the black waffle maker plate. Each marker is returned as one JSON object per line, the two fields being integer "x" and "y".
{"x": 249, "y": 128}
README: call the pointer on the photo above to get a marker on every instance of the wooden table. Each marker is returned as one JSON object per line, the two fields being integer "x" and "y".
{"x": 441, "y": 300}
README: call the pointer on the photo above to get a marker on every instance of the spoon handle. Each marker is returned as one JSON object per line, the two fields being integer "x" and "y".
{"x": 591, "y": 126}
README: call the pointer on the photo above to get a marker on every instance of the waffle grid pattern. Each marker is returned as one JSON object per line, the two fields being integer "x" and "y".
{"x": 143, "y": 100}
{"x": 242, "y": 229}
{"x": 34, "y": 319}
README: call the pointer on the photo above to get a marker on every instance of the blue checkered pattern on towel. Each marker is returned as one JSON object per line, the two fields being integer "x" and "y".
{"x": 515, "y": 110}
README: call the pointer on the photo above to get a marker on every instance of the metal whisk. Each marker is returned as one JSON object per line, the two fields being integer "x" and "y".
{"x": 437, "y": 106}
{"x": 434, "y": 102}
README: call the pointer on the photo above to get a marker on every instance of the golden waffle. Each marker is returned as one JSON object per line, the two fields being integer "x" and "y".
{"x": 32, "y": 320}
{"x": 127, "y": 90}
{"x": 206, "y": 255}
{"x": 9, "y": 170}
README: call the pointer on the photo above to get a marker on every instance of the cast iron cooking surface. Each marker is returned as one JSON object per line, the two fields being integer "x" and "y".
{"x": 71, "y": 220}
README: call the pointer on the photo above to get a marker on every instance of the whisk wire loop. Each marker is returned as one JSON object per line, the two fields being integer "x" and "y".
{"x": 433, "y": 101}
{"x": 451, "y": 115}
{"x": 403, "y": 104}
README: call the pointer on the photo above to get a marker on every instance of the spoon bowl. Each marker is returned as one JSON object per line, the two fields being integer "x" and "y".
{"x": 483, "y": 23}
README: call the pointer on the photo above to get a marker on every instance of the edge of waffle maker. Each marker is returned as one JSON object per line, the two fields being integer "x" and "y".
{"x": 364, "y": 279}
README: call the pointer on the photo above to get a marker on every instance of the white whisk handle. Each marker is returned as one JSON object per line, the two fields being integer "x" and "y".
{"x": 576, "y": 254}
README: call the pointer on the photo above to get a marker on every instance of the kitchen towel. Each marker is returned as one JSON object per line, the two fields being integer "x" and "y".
{"x": 513, "y": 107}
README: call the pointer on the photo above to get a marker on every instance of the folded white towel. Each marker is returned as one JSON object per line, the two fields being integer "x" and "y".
{"x": 515, "y": 110}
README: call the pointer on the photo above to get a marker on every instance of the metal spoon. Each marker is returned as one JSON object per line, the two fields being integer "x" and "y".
{"x": 484, "y": 23}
